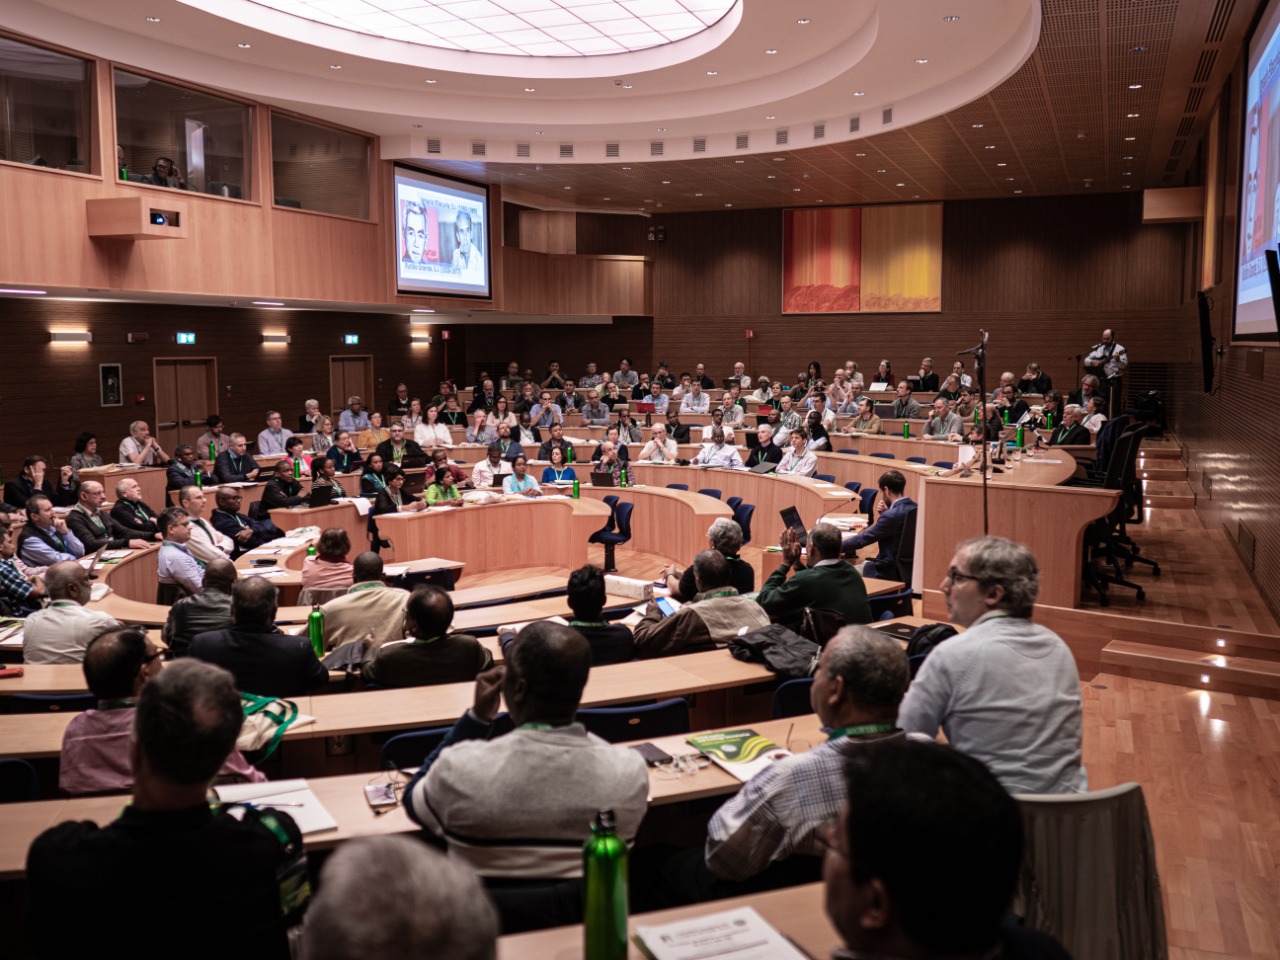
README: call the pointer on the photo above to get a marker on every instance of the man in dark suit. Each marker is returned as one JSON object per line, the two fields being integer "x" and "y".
{"x": 1035, "y": 380}
{"x": 182, "y": 471}
{"x": 396, "y": 448}
{"x": 894, "y": 506}
{"x": 95, "y": 528}
{"x": 282, "y": 490}
{"x": 768, "y": 451}
{"x": 486, "y": 398}
{"x": 234, "y": 465}
{"x": 131, "y": 513}
{"x": 679, "y": 432}
{"x": 431, "y": 654}
{"x": 828, "y": 583}
{"x": 1071, "y": 432}
{"x": 261, "y": 658}
{"x": 230, "y": 522}
{"x": 556, "y": 440}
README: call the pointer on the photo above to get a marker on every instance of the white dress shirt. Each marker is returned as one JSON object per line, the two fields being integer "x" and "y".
{"x": 432, "y": 435}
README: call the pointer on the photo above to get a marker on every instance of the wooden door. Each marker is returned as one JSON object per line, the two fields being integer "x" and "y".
{"x": 186, "y": 393}
{"x": 350, "y": 377}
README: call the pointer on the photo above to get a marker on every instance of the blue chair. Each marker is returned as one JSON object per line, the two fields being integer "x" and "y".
{"x": 742, "y": 516}
{"x": 892, "y": 605}
{"x": 48, "y": 702}
{"x": 410, "y": 749}
{"x": 853, "y": 486}
{"x": 825, "y": 477}
{"x": 866, "y": 500}
{"x": 711, "y": 492}
{"x": 18, "y": 783}
{"x": 944, "y": 464}
{"x": 677, "y": 486}
{"x": 732, "y": 502}
{"x": 612, "y": 502}
{"x": 792, "y": 698}
{"x": 916, "y": 460}
{"x": 620, "y": 724}
{"x": 613, "y": 538}
{"x": 883, "y": 456}
{"x": 849, "y": 450}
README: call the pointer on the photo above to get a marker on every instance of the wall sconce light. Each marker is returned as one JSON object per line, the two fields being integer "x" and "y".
{"x": 71, "y": 336}
{"x": 276, "y": 338}
{"x": 420, "y": 338}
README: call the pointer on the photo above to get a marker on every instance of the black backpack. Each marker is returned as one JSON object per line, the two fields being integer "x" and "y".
{"x": 924, "y": 640}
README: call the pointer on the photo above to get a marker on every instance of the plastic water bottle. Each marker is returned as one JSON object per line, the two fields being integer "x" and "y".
{"x": 1048, "y": 420}
{"x": 213, "y": 450}
{"x": 311, "y": 549}
{"x": 199, "y": 478}
{"x": 575, "y": 489}
{"x": 906, "y": 431}
{"x": 622, "y": 478}
{"x": 315, "y": 629}
{"x": 1019, "y": 438}
{"x": 297, "y": 468}
{"x": 604, "y": 891}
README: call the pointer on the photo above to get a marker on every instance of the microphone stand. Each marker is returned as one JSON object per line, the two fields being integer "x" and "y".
{"x": 979, "y": 354}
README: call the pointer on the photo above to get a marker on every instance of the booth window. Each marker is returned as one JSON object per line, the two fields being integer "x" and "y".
{"x": 319, "y": 168}
{"x": 44, "y": 107}
{"x": 207, "y": 138}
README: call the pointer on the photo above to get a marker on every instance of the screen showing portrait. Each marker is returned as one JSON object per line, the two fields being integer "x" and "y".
{"x": 442, "y": 235}
{"x": 1255, "y": 315}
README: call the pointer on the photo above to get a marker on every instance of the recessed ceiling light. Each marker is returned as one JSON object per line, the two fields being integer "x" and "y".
{"x": 739, "y": 161}
{"x": 950, "y": 19}
{"x": 772, "y": 176}
{"x": 902, "y": 184}
{"x": 859, "y": 93}
{"x": 1017, "y": 191}
{"x": 712, "y": 73}
{"x": 626, "y": 168}
{"x": 1126, "y": 158}
{"x": 803, "y": 21}
{"x": 697, "y": 194}
{"x": 153, "y": 19}
{"x": 795, "y": 189}
{"x": 1010, "y": 179}
{"x": 627, "y": 86}
{"x": 771, "y": 52}
{"x": 1126, "y": 174}
{"x": 665, "y": 182}
{"x": 244, "y": 46}
{"x": 882, "y": 171}
{"x": 922, "y": 59}
{"x": 1135, "y": 86}
{"x": 779, "y": 159}
{"x": 821, "y": 201}
{"x": 335, "y": 66}
{"x": 662, "y": 129}
{"x": 1130, "y": 138}
{"x": 606, "y": 198}
{"x": 568, "y": 188}
{"x": 1001, "y": 164}
{"x": 268, "y": 303}
{"x": 530, "y": 89}
{"x": 648, "y": 200}
{"x": 1131, "y": 115}
{"x": 977, "y": 126}
{"x": 430, "y": 81}
{"x": 728, "y": 204}
{"x": 915, "y": 196}
{"x": 1139, "y": 48}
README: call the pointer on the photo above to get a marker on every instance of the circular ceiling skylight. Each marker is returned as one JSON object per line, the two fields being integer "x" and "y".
{"x": 529, "y": 28}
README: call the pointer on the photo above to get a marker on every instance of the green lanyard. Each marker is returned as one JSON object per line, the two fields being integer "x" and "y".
{"x": 141, "y": 512}
{"x": 117, "y": 704}
{"x": 862, "y": 730}
{"x": 559, "y": 474}
{"x": 726, "y": 592}
{"x": 397, "y": 453}
{"x": 540, "y": 727}
{"x": 588, "y": 623}
{"x": 377, "y": 481}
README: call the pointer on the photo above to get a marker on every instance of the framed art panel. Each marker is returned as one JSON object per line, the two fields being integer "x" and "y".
{"x": 902, "y": 259}
{"x": 821, "y": 260}
{"x": 110, "y": 387}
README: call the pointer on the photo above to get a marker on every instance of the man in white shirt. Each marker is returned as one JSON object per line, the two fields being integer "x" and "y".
{"x": 368, "y": 604}
{"x": 176, "y": 565}
{"x": 660, "y": 448}
{"x": 140, "y": 447}
{"x": 717, "y": 421}
{"x": 493, "y": 466}
{"x": 823, "y": 409}
{"x": 206, "y": 544}
{"x": 61, "y": 632}
{"x": 272, "y": 439}
{"x": 717, "y": 453}
{"x": 695, "y": 401}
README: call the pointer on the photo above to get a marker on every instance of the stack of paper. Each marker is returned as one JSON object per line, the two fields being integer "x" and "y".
{"x": 293, "y": 797}
{"x": 741, "y": 934}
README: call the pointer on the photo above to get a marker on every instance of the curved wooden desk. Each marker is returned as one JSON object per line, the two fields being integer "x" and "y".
{"x": 669, "y": 523}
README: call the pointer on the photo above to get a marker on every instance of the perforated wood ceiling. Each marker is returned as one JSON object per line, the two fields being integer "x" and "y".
{"x": 1110, "y": 100}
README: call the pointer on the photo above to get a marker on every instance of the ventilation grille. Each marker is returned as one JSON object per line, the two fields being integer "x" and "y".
{"x": 742, "y": 141}
{"x": 699, "y": 144}
{"x": 566, "y": 151}
{"x": 781, "y": 137}
{"x": 523, "y": 150}
{"x": 433, "y": 145}
{"x": 854, "y": 124}
{"x": 1194, "y": 96}
{"x": 819, "y": 131}
{"x": 887, "y": 115}
{"x": 477, "y": 148}
{"x": 612, "y": 150}
{"x": 1204, "y": 67}
{"x": 1218, "y": 22}
{"x": 655, "y": 148}
{"x": 1184, "y": 128}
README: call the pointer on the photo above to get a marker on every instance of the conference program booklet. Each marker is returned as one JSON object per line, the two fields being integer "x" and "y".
{"x": 743, "y": 753}
{"x": 293, "y": 797}
{"x": 741, "y": 934}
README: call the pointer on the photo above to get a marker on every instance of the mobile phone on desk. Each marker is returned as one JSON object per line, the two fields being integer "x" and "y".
{"x": 652, "y": 755}
{"x": 263, "y": 562}
{"x": 380, "y": 795}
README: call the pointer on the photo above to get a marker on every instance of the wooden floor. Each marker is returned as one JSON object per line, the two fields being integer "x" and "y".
{"x": 1209, "y": 765}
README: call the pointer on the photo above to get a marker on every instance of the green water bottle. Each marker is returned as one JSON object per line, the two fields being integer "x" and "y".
{"x": 124, "y": 171}
{"x": 1019, "y": 438}
{"x": 1004, "y": 415}
{"x": 311, "y": 549}
{"x": 568, "y": 453}
{"x": 576, "y": 489}
{"x": 199, "y": 478}
{"x": 906, "y": 431}
{"x": 297, "y": 468}
{"x": 213, "y": 450}
{"x": 315, "y": 629}
{"x": 604, "y": 891}
{"x": 622, "y": 478}
{"x": 1048, "y": 420}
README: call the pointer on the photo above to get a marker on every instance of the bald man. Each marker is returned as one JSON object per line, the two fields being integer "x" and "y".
{"x": 61, "y": 632}
{"x": 95, "y": 528}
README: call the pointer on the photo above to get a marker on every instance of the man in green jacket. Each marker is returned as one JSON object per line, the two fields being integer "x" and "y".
{"x": 827, "y": 583}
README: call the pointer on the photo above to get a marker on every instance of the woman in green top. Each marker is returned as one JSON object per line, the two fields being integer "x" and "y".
{"x": 442, "y": 492}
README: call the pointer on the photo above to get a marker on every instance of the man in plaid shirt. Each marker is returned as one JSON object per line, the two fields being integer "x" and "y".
{"x": 21, "y": 588}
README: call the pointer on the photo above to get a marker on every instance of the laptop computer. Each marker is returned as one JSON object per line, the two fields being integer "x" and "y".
{"x": 602, "y": 478}
{"x": 92, "y": 565}
{"x": 321, "y": 496}
{"x": 884, "y": 410}
{"x": 413, "y": 462}
{"x": 791, "y": 518}
{"x": 644, "y": 407}
{"x": 764, "y": 466}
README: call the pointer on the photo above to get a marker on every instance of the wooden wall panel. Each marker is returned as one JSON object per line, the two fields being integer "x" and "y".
{"x": 327, "y": 258}
{"x": 547, "y": 283}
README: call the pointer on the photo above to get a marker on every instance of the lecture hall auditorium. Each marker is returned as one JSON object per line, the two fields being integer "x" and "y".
{"x": 1086, "y": 156}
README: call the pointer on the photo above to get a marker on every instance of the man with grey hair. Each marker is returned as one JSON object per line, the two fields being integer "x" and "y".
{"x": 272, "y": 440}
{"x": 1071, "y": 431}
{"x": 827, "y": 582}
{"x": 767, "y": 451}
{"x": 440, "y": 908}
{"x": 354, "y": 418}
{"x": 715, "y": 615}
{"x": 725, "y": 537}
{"x": 1006, "y": 690}
{"x": 61, "y": 632}
{"x": 310, "y": 419}
{"x": 140, "y": 447}
{"x": 660, "y": 448}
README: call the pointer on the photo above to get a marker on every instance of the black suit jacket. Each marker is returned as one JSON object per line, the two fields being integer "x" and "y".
{"x": 262, "y": 659}
{"x": 229, "y": 468}
{"x": 411, "y": 449}
{"x": 282, "y": 493}
{"x": 179, "y": 476}
{"x": 483, "y": 401}
{"x": 1062, "y": 436}
{"x": 770, "y": 454}
{"x": 136, "y": 517}
{"x": 230, "y": 524}
{"x": 116, "y": 537}
{"x": 680, "y": 434}
{"x": 18, "y": 490}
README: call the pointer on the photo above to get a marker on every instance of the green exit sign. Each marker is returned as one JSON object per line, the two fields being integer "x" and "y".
{"x": 186, "y": 338}
{"x": 351, "y": 339}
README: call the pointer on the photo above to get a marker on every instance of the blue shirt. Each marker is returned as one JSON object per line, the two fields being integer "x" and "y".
{"x": 353, "y": 421}
{"x": 176, "y": 565}
{"x": 545, "y": 416}
{"x": 512, "y": 485}
{"x": 37, "y": 553}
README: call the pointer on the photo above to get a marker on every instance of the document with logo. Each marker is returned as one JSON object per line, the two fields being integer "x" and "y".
{"x": 741, "y": 934}
{"x": 743, "y": 753}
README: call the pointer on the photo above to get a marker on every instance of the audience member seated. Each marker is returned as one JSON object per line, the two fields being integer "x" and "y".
{"x": 519, "y": 482}
{"x": 282, "y": 490}
{"x": 1049, "y": 414}
{"x": 1005, "y": 690}
{"x": 140, "y": 448}
{"x": 493, "y": 467}
{"x": 446, "y": 391}
{"x": 610, "y": 642}
{"x": 230, "y": 522}
{"x": 1095, "y": 415}
{"x": 396, "y": 448}
{"x": 393, "y": 498}
{"x": 766, "y": 451}
{"x": 502, "y": 414}
{"x": 368, "y": 604}
{"x": 86, "y": 455}
{"x": 215, "y": 433}
{"x": 323, "y": 439}
{"x": 1071, "y": 431}
{"x": 355, "y": 418}
{"x": 940, "y": 844}
{"x": 717, "y": 420}
{"x": 1090, "y": 386}
{"x": 229, "y": 871}
{"x": 950, "y": 388}
{"x": 719, "y": 452}
{"x": 373, "y": 478}
{"x": 343, "y": 454}
{"x": 481, "y": 431}
{"x": 788, "y": 419}
{"x": 589, "y": 379}
{"x": 695, "y": 401}
{"x": 432, "y": 433}
{"x": 1010, "y": 406}
{"x": 45, "y": 539}
{"x": 884, "y": 374}
{"x": 374, "y": 434}
{"x": 556, "y": 440}
{"x": 866, "y": 420}
{"x": 309, "y": 419}
{"x": 559, "y": 471}
{"x": 329, "y": 568}
{"x": 486, "y": 398}
{"x": 439, "y": 910}
{"x": 95, "y": 528}
{"x": 628, "y": 430}
{"x": 206, "y": 543}
{"x": 713, "y": 617}
{"x": 819, "y": 439}
{"x": 678, "y": 431}
{"x": 182, "y": 469}
{"x": 527, "y": 434}
{"x": 891, "y": 507}
{"x": 440, "y": 459}
{"x": 261, "y": 658}
{"x": 97, "y": 743}
{"x": 656, "y": 397}
{"x": 967, "y": 405}
{"x": 298, "y": 462}
{"x": 1035, "y": 380}
{"x": 594, "y": 413}
{"x": 613, "y": 435}
{"x": 234, "y": 465}
{"x": 206, "y": 611}
{"x": 1007, "y": 379}
{"x": 928, "y": 376}
{"x": 526, "y": 400}
{"x": 610, "y": 463}
{"x": 663, "y": 377}
{"x": 22, "y": 588}
{"x": 34, "y": 480}
{"x": 625, "y": 376}
{"x": 131, "y": 513}
{"x": 61, "y": 631}
{"x": 271, "y": 441}
{"x": 905, "y": 407}
{"x": 798, "y": 460}
{"x": 442, "y": 491}
{"x": 826, "y": 583}
{"x": 725, "y": 537}
{"x": 430, "y": 654}
{"x": 545, "y": 412}
{"x": 660, "y": 448}
{"x": 513, "y": 807}
{"x": 942, "y": 423}
{"x": 324, "y": 479}
{"x": 176, "y": 566}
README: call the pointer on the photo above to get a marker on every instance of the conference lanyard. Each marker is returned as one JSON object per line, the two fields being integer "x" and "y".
{"x": 861, "y": 730}
{"x": 239, "y": 463}
{"x": 377, "y": 481}
{"x": 117, "y": 704}
{"x": 588, "y": 623}
{"x": 397, "y": 452}
{"x": 540, "y": 727}
{"x": 559, "y": 474}
{"x": 141, "y": 512}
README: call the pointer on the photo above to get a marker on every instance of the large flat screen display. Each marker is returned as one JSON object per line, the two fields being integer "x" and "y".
{"x": 442, "y": 235}
{"x": 1255, "y": 317}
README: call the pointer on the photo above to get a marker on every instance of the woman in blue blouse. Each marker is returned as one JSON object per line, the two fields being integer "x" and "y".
{"x": 520, "y": 482}
{"x": 558, "y": 472}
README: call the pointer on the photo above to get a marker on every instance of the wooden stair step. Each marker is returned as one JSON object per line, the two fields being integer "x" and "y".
{"x": 1171, "y": 494}
{"x": 1148, "y": 452}
{"x": 1201, "y": 641}
{"x": 1159, "y": 471}
{"x": 1246, "y": 676}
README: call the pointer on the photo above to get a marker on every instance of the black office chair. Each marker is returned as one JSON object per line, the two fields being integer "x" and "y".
{"x": 944, "y": 464}
{"x": 711, "y": 492}
{"x": 629, "y": 722}
{"x": 167, "y": 594}
{"x": 742, "y": 517}
{"x": 892, "y": 605}
{"x": 612, "y": 538}
{"x": 791, "y": 699}
{"x": 48, "y": 702}
{"x": 410, "y": 749}
{"x": 18, "y": 782}
{"x": 867, "y": 500}
{"x": 820, "y": 625}
{"x": 732, "y": 502}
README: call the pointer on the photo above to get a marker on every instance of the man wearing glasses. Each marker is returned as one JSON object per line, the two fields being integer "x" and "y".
{"x": 1005, "y": 690}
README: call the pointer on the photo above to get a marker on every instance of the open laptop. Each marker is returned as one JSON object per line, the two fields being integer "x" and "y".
{"x": 764, "y": 466}
{"x": 644, "y": 407}
{"x": 92, "y": 565}
{"x": 884, "y": 411}
{"x": 321, "y": 496}
{"x": 791, "y": 518}
{"x": 602, "y": 478}
{"x": 414, "y": 462}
